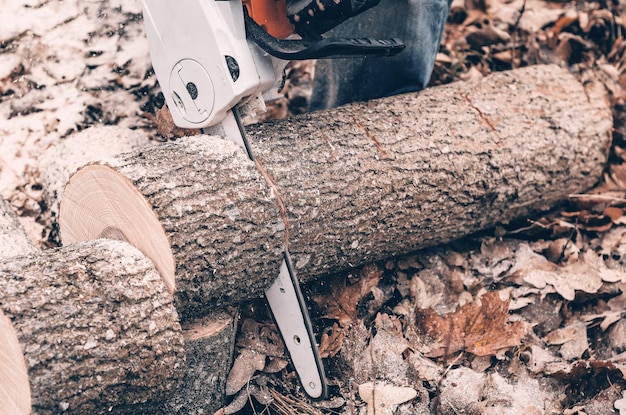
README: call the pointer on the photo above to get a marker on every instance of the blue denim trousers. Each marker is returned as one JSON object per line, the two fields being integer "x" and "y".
{"x": 418, "y": 23}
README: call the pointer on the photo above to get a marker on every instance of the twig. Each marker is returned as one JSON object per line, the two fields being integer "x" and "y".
{"x": 286, "y": 405}
{"x": 604, "y": 198}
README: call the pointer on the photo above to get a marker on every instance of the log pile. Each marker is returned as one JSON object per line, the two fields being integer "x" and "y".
{"x": 102, "y": 329}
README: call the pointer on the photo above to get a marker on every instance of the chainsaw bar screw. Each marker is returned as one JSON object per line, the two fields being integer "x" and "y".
{"x": 192, "y": 89}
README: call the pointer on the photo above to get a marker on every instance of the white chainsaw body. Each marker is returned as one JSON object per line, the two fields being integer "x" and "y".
{"x": 191, "y": 44}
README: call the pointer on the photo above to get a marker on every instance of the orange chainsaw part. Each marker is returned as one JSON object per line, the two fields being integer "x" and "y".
{"x": 271, "y": 15}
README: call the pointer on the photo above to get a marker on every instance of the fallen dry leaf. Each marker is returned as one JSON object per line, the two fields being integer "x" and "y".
{"x": 246, "y": 364}
{"x": 620, "y": 404}
{"x": 331, "y": 341}
{"x": 344, "y": 297}
{"x": 572, "y": 339}
{"x": 382, "y": 398}
{"x": 585, "y": 274}
{"x": 166, "y": 127}
{"x": 262, "y": 338}
{"x": 480, "y": 328}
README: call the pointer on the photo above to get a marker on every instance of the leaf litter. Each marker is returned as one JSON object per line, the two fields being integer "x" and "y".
{"x": 526, "y": 319}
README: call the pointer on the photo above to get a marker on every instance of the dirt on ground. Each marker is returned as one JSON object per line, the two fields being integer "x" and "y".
{"x": 526, "y": 318}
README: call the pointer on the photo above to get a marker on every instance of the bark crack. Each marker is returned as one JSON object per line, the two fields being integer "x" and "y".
{"x": 281, "y": 202}
{"x": 480, "y": 113}
{"x": 379, "y": 146}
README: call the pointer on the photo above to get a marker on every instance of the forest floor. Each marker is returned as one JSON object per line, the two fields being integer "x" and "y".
{"x": 526, "y": 318}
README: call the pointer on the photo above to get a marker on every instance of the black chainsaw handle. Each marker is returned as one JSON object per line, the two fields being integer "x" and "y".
{"x": 300, "y": 49}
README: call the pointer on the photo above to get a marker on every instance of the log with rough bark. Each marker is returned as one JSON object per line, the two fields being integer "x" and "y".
{"x": 346, "y": 186}
{"x": 97, "y": 329}
{"x": 200, "y": 210}
{"x": 209, "y": 348}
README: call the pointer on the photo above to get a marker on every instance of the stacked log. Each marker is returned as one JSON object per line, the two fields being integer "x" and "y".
{"x": 82, "y": 148}
{"x": 209, "y": 349}
{"x": 15, "y": 390}
{"x": 199, "y": 208}
{"x": 13, "y": 239}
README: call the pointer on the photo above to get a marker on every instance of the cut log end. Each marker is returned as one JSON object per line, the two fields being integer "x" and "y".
{"x": 14, "y": 388}
{"x": 101, "y": 203}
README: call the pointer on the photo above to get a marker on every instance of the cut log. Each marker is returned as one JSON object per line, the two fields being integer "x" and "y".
{"x": 209, "y": 348}
{"x": 97, "y": 328}
{"x": 14, "y": 388}
{"x": 198, "y": 208}
{"x": 13, "y": 239}
{"x": 97, "y": 144}
{"x": 346, "y": 186}
{"x": 373, "y": 180}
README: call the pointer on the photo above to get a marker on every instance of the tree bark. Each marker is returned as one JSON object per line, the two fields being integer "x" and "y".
{"x": 372, "y": 180}
{"x": 13, "y": 239}
{"x": 355, "y": 184}
{"x": 209, "y": 348}
{"x": 97, "y": 328}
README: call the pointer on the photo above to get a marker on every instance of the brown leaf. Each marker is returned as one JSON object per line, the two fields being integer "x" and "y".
{"x": 592, "y": 222}
{"x": 275, "y": 364}
{"x": 564, "y": 22}
{"x": 344, "y": 297}
{"x": 614, "y": 213}
{"x": 260, "y": 337}
{"x": 618, "y": 175}
{"x": 480, "y": 328}
{"x": 166, "y": 127}
{"x": 331, "y": 341}
{"x": 382, "y": 398}
{"x": 587, "y": 273}
{"x": 583, "y": 369}
{"x": 246, "y": 364}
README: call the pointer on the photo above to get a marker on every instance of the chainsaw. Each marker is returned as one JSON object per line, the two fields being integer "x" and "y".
{"x": 213, "y": 56}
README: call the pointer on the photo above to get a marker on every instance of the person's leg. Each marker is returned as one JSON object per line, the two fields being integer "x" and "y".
{"x": 418, "y": 23}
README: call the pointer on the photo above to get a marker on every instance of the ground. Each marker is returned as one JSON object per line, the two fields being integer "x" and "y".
{"x": 525, "y": 318}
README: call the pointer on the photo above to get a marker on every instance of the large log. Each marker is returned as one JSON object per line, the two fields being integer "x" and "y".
{"x": 97, "y": 329}
{"x": 372, "y": 180}
{"x": 346, "y": 186}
